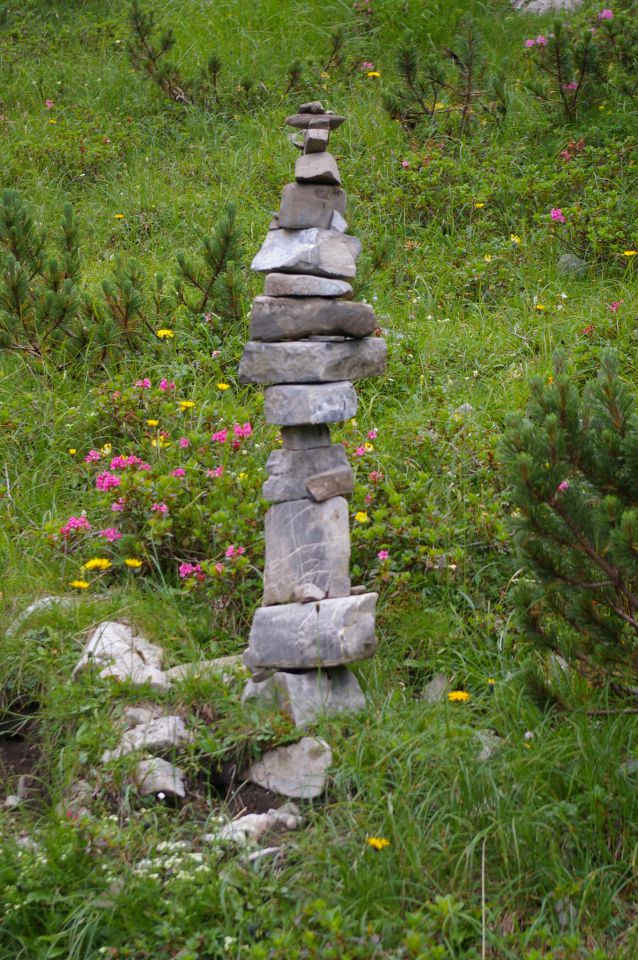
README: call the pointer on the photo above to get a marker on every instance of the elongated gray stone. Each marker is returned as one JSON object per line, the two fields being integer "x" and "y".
{"x": 306, "y": 542}
{"x": 307, "y": 205}
{"x": 305, "y": 438}
{"x": 299, "y": 770}
{"x": 337, "y": 482}
{"x": 305, "y": 285}
{"x": 305, "y": 120}
{"x": 302, "y": 361}
{"x": 317, "y": 168}
{"x": 292, "y": 406}
{"x": 307, "y": 696}
{"x": 290, "y": 470}
{"x": 290, "y": 318}
{"x": 306, "y": 636}
{"x": 323, "y": 253}
{"x": 316, "y": 140}
{"x": 313, "y": 106}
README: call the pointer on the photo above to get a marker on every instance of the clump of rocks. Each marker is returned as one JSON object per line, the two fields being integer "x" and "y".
{"x": 309, "y": 341}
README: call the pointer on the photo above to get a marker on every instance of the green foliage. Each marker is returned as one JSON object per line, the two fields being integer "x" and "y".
{"x": 572, "y": 463}
{"x": 211, "y": 282}
{"x": 149, "y": 55}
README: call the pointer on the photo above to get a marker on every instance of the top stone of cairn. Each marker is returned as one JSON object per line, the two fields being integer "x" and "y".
{"x": 313, "y": 116}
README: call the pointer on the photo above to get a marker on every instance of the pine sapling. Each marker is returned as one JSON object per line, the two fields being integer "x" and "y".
{"x": 148, "y": 55}
{"x": 209, "y": 282}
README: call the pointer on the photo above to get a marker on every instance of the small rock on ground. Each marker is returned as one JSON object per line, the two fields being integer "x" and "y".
{"x": 157, "y": 776}
{"x": 252, "y": 827}
{"x": 299, "y": 770}
{"x": 162, "y": 733}
{"x": 117, "y": 652}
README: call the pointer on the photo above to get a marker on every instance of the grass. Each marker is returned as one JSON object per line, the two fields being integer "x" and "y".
{"x": 529, "y": 853}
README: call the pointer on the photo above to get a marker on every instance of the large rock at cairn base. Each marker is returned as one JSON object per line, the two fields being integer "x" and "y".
{"x": 292, "y": 406}
{"x": 305, "y": 636}
{"x": 288, "y": 318}
{"x": 305, "y": 205}
{"x": 299, "y": 771}
{"x": 306, "y": 543}
{"x": 290, "y": 470}
{"x": 305, "y": 285}
{"x": 324, "y": 253}
{"x": 307, "y": 695}
{"x": 303, "y": 361}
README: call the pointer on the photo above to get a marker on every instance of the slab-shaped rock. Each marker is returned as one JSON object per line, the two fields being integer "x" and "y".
{"x": 306, "y": 205}
{"x": 305, "y": 636}
{"x": 252, "y": 827}
{"x": 160, "y": 777}
{"x": 305, "y": 285}
{"x": 305, "y": 438}
{"x": 299, "y": 770}
{"x": 301, "y": 361}
{"x": 307, "y": 696}
{"x": 322, "y": 253}
{"x": 338, "y": 223}
{"x": 291, "y": 318}
{"x": 289, "y": 471}
{"x": 162, "y": 733}
{"x": 330, "y": 483}
{"x": 292, "y": 406}
{"x": 317, "y": 168}
{"x": 316, "y": 140}
{"x": 306, "y": 542}
{"x": 313, "y": 106}
{"x": 303, "y": 121}
{"x": 117, "y": 652}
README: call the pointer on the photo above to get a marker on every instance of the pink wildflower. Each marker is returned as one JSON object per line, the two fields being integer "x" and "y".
{"x": 166, "y": 385}
{"x": 235, "y": 551}
{"x": 366, "y": 65}
{"x": 360, "y": 451}
{"x": 372, "y": 435}
{"x": 530, "y": 42}
{"x": 75, "y": 523}
{"x": 242, "y": 431}
{"x": 118, "y": 505}
{"x": 541, "y": 41}
{"x": 215, "y": 472}
{"x": 570, "y": 86}
{"x": 369, "y": 498}
{"x": 376, "y": 476}
{"x": 383, "y": 555}
{"x": 159, "y": 508}
{"x": 405, "y": 164}
{"x": 122, "y": 462}
{"x": 49, "y": 104}
{"x": 220, "y": 437}
{"x": 563, "y": 486}
{"x": 107, "y": 481}
{"x": 215, "y": 353}
{"x": 178, "y": 472}
{"x": 615, "y": 305}
{"x": 92, "y": 456}
{"x": 111, "y": 534}
{"x": 558, "y": 215}
{"x": 188, "y": 569}
{"x": 605, "y": 14}
{"x": 184, "y": 442}
{"x": 144, "y": 384}
{"x": 219, "y": 567}
{"x": 236, "y": 444}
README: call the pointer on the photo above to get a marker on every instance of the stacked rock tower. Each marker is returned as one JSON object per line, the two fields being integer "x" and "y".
{"x": 308, "y": 342}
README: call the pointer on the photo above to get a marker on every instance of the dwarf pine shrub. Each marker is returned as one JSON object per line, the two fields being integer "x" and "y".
{"x": 572, "y": 462}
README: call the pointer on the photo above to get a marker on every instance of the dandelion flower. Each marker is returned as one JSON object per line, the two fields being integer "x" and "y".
{"x": 488, "y": 258}
{"x": 629, "y": 253}
{"x": 79, "y": 584}
{"x": 458, "y": 696}
{"x": 185, "y": 405}
{"x": 97, "y": 563}
{"x": 373, "y": 73}
{"x": 378, "y": 843}
{"x": 164, "y": 334}
{"x": 118, "y": 216}
{"x": 133, "y": 562}
{"x": 223, "y": 386}
{"x": 361, "y": 516}
{"x": 72, "y": 451}
{"x": 368, "y": 447}
{"x": 479, "y": 206}
{"x": 152, "y": 423}
{"x": 539, "y": 306}
{"x": 515, "y": 238}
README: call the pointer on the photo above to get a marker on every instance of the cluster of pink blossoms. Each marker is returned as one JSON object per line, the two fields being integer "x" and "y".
{"x": 111, "y": 534}
{"x": 144, "y": 384}
{"x": 606, "y": 14}
{"x": 118, "y": 505}
{"x": 121, "y": 463}
{"x": 221, "y": 436}
{"x": 93, "y": 456}
{"x": 166, "y": 384}
{"x": 107, "y": 481}
{"x": 190, "y": 569}
{"x": 183, "y": 443}
{"x": 539, "y": 41}
{"x": 366, "y": 65}
{"x": 234, "y": 551}
{"x": 383, "y": 555}
{"x": 178, "y": 472}
{"x": 215, "y": 472}
{"x": 159, "y": 508}
{"x": 563, "y": 486}
{"x": 75, "y": 523}
{"x": 557, "y": 215}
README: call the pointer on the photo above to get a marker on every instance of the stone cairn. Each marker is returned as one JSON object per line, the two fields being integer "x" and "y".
{"x": 309, "y": 341}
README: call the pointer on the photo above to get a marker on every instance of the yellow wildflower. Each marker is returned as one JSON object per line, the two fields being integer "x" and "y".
{"x": 515, "y": 238}
{"x": 491, "y": 681}
{"x": 242, "y": 475}
{"x": 373, "y": 73}
{"x": 53, "y": 121}
{"x": 185, "y": 405}
{"x": 550, "y": 379}
{"x": 118, "y": 216}
{"x": 79, "y": 584}
{"x": 378, "y": 843}
{"x": 223, "y": 386}
{"x": 164, "y": 334}
{"x": 152, "y": 423}
{"x": 160, "y": 442}
{"x": 107, "y": 448}
{"x": 97, "y": 563}
{"x": 368, "y": 447}
{"x": 488, "y": 257}
{"x": 72, "y": 451}
{"x": 458, "y": 696}
{"x": 133, "y": 562}
{"x": 478, "y": 206}
{"x": 629, "y": 253}
{"x": 361, "y": 516}
{"x": 539, "y": 306}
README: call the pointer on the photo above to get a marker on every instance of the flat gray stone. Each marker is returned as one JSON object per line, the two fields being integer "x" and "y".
{"x": 161, "y": 733}
{"x": 338, "y": 223}
{"x": 292, "y": 406}
{"x": 305, "y": 285}
{"x": 250, "y": 828}
{"x": 157, "y": 776}
{"x": 338, "y": 482}
{"x": 307, "y": 593}
{"x": 116, "y": 651}
{"x": 302, "y": 121}
{"x": 307, "y": 696}
{"x": 313, "y": 106}
{"x": 569, "y": 263}
{"x": 305, "y": 438}
{"x": 289, "y": 471}
{"x": 316, "y": 140}
{"x": 299, "y": 770}
{"x": 292, "y": 318}
{"x": 437, "y": 689}
{"x": 306, "y": 542}
{"x": 302, "y": 361}
{"x": 306, "y": 205}
{"x": 317, "y": 168}
{"x": 305, "y": 636}
{"x": 322, "y": 253}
